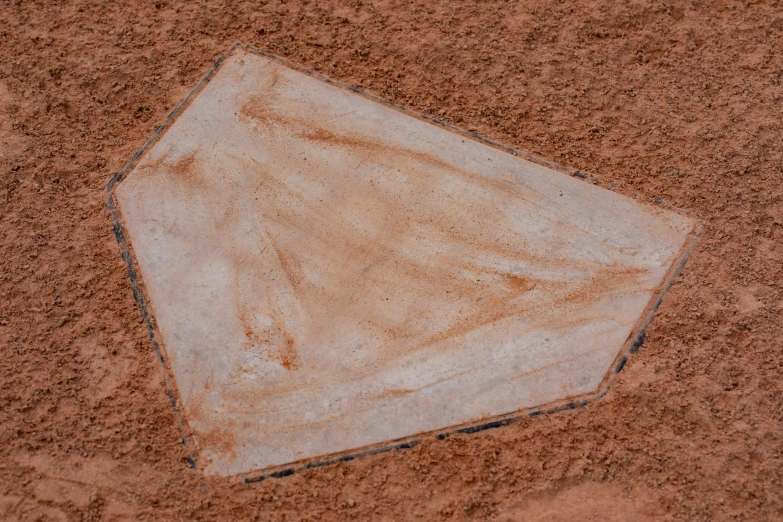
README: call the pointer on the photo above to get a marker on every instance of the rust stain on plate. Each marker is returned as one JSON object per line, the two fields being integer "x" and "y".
{"x": 329, "y": 273}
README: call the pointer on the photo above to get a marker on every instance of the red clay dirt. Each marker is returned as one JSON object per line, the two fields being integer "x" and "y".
{"x": 676, "y": 102}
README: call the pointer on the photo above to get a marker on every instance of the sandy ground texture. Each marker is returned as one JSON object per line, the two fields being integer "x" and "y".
{"x": 673, "y": 101}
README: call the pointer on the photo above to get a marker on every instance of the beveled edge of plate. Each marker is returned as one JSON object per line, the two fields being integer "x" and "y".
{"x": 631, "y": 345}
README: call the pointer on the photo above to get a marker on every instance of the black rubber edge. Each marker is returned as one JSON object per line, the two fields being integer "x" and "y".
{"x": 148, "y": 320}
{"x": 343, "y": 458}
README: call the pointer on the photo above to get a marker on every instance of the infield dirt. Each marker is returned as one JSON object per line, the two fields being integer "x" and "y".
{"x": 679, "y": 103}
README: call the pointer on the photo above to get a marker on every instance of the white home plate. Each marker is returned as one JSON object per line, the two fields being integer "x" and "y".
{"x": 328, "y": 273}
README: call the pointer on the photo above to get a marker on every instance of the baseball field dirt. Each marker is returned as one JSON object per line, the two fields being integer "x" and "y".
{"x": 676, "y": 105}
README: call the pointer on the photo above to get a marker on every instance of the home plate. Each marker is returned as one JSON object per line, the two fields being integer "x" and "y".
{"x": 330, "y": 274}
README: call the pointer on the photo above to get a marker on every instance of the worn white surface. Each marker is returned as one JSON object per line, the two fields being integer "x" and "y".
{"x": 329, "y": 273}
